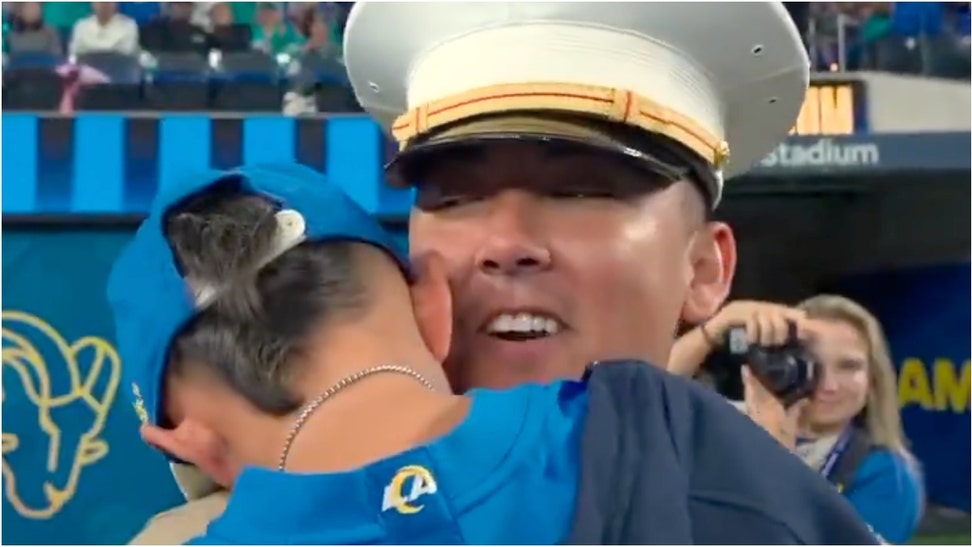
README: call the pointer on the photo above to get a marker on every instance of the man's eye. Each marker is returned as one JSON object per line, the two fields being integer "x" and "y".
{"x": 453, "y": 201}
{"x": 446, "y": 202}
{"x": 581, "y": 194}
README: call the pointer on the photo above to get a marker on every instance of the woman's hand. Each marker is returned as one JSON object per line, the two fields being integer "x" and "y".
{"x": 769, "y": 412}
{"x": 766, "y": 324}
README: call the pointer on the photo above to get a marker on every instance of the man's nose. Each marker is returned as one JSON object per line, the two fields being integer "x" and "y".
{"x": 514, "y": 244}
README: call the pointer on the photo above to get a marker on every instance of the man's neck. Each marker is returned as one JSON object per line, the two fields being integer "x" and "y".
{"x": 103, "y": 20}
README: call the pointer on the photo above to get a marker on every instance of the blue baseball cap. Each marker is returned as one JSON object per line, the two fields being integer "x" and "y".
{"x": 152, "y": 301}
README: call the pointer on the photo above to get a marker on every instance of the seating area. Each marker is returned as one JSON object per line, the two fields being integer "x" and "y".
{"x": 286, "y": 56}
{"x": 185, "y": 56}
{"x": 250, "y": 81}
{"x": 921, "y": 38}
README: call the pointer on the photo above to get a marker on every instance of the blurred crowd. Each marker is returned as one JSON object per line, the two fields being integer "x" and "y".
{"x": 268, "y": 56}
{"x": 929, "y": 38}
{"x": 76, "y": 28}
{"x": 171, "y": 55}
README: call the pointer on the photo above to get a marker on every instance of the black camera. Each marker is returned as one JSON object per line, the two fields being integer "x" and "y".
{"x": 789, "y": 372}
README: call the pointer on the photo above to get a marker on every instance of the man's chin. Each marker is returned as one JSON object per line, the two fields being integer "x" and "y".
{"x": 497, "y": 363}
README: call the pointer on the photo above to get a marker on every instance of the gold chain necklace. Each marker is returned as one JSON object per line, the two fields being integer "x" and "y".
{"x": 310, "y": 407}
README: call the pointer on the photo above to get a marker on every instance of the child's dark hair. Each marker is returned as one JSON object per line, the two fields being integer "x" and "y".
{"x": 253, "y": 331}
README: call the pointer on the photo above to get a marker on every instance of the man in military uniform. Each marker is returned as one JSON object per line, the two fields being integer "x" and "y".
{"x": 567, "y": 158}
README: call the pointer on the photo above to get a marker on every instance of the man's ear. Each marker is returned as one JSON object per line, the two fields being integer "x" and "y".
{"x": 432, "y": 303}
{"x": 194, "y": 443}
{"x": 712, "y": 258}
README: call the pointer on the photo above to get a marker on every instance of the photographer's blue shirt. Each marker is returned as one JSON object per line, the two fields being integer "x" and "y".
{"x": 507, "y": 474}
{"x": 888, "y": 494}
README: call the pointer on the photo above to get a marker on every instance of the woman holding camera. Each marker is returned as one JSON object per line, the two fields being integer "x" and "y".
{"x": 849, "y": 429}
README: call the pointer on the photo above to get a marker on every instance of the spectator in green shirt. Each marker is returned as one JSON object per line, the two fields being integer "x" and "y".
{"x": 320, "y": 37}
{"x": 877, "y": 21}
{"x": 271, "y": 33}
{"x": 244, "y": 12}
{"x": 64, "y": 15}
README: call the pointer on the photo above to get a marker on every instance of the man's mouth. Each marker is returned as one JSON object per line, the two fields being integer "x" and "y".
{"x": 523, "y": 326}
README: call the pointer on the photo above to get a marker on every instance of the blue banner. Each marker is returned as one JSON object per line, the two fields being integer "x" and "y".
{"x": 74, "y": 468}
{"x": 115, "y": 164}
{"x": 926, "y": 319}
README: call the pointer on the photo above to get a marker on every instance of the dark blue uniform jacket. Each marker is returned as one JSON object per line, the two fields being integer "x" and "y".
{"x": 665, "y": 461}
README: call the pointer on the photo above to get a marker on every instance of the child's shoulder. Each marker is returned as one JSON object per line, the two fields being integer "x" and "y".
{"x": 562, "y": 398}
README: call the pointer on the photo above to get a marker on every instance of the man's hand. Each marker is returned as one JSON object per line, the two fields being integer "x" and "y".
{"x": 767, "y": 411}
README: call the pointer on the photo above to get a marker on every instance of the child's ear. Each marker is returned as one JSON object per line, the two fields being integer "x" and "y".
{"x": 194, "y": 443}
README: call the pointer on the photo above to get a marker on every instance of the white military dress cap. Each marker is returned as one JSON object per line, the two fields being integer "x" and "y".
{"x": 726, "y": 80}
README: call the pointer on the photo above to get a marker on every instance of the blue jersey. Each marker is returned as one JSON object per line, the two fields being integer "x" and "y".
{"x": 507, "y": 474}
{"x": 887, "y": 492}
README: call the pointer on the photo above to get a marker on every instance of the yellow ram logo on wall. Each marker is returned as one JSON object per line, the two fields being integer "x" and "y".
{"x": 69, "y": 389}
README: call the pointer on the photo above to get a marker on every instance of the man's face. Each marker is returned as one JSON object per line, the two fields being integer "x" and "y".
{"x": 180, "y": 11}
{"x": 557, "y": 258}
{"x": 268, "y": 15}
{"x": 104, "y": 9}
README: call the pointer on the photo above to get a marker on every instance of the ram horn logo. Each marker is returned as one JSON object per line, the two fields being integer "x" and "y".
{"x": 70, "y": 388}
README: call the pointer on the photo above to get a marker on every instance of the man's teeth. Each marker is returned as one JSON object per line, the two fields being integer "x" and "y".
{"x": 523, "y": 323}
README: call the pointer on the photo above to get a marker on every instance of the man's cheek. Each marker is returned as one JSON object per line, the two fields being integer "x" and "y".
{"x": 654, "y": 296}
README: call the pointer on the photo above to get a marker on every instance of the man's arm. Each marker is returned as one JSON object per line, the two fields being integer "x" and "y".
{"x": 747, "y": 488}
